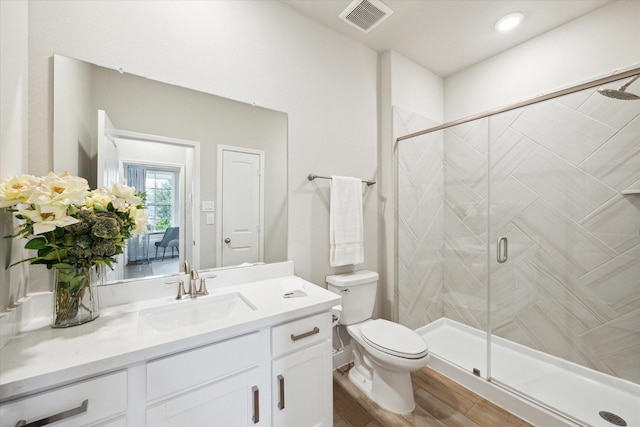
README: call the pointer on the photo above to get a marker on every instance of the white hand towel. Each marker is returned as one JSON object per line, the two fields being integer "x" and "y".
{"x": 292, "y": 288}
{"x": 345, "y": 222}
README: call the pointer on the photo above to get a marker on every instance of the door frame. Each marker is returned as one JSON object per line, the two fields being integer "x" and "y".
{"x": 191, "y": 198}
{"x": 218, "y": 209}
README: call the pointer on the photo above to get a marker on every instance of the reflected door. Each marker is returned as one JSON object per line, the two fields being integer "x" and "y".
{"x": 242, "y": 206}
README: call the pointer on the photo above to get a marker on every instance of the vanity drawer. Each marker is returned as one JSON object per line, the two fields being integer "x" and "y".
{"x": 300, "y": 333}
{"x": 105, "y": 396}
{"x": 182, "y": 371}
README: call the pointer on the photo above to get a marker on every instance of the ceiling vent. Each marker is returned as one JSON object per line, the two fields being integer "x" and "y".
{"x": 365, "y": 15}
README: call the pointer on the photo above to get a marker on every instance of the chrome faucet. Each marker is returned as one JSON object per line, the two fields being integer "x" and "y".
{"x": 193, "y": 279}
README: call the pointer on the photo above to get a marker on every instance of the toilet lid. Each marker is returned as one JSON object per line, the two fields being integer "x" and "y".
{"x": 393, "y": 338}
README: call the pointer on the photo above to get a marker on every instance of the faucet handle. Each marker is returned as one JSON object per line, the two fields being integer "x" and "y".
{"x": 203, "y": 285}
{"x": 181, "y": 291}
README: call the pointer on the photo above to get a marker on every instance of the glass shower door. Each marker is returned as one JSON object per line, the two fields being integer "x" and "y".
{"x": 565, "y": 255}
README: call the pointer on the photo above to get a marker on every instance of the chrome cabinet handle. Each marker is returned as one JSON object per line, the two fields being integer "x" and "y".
{"x": 314, "y": 331}
{"x": 502, "y": 251}
{"x": 256, "y": 404}
{"x": 281, "y": 387}
{"x": 57, "y": 417}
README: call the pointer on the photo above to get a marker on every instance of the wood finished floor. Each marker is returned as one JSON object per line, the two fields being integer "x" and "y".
{"x": 439, "y": 402}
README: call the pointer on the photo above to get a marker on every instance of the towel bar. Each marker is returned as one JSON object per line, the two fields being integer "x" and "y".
{"x": 312, "y": 176}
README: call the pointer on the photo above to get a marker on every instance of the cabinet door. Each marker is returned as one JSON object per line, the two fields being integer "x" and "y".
{"x": 302, "y": 390}
{"x": 231, "y": 402}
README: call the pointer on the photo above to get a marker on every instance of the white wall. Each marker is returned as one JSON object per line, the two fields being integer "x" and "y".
{"x": 258, "y": 52}
{"x": 591, "y": 46}
{"x": 13, "y": 139}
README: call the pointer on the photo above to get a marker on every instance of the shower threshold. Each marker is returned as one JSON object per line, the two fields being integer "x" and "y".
{"x": 540, "y": 388}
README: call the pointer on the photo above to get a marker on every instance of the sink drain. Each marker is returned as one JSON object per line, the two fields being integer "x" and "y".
{"x": 613, "y": 418}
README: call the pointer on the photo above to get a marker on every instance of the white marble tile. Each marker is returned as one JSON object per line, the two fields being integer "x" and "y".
{"x": 617, "y": 163}
{"x": 428, "y": 207}
{"x": 462, "y": 129}
{"x": 616, "y": 282}
{"x": 563, "y": 239}
{"x": 566, "y": 187}
{"x": 459, "y": 156}
{"x": 509, "y": 197}
{"x": 617, "y": 343}
{"x": 613, "y": 112}
{"x": 617, "y": 222}
{"x": 578, "y": 308}
{"x": 499, "y": 123}
{"x": 569, "y": 134}
{"x": 478, "y": 136}
{"x": 508, "y": 152}
{"x": 549, "y": 333}
{"x": 511, "y": 293}
{"x": 576, "y": 99}
{"x": 459, "y": 196}
{"x": 410, "y": 121}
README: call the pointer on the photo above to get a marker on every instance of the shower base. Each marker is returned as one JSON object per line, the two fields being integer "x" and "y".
{"x": 542, "y": 389}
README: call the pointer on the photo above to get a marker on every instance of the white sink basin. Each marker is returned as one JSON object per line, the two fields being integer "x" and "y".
{"x": 181, "y": 314}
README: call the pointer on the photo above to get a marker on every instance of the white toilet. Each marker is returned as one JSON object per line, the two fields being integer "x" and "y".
{"x": 385, "y": 352}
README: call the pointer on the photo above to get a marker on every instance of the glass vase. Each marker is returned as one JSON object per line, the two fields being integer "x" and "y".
{"x": 75, "y": 295}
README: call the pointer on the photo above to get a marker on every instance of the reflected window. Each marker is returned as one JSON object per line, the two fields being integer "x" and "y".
{"x": 160, "y": 189}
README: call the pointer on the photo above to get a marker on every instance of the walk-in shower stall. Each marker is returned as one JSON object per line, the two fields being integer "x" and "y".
{"x": 518, "y": 247}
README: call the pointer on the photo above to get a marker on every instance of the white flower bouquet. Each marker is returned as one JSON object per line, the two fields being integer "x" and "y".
{"x": 72, "y": 228}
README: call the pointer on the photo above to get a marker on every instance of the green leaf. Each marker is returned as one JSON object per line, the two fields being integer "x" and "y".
{"x": 61, "y": 265}
{"x": 36, "y": 243}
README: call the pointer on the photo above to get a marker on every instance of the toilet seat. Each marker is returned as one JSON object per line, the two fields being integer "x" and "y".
{"x": 394, "y": 339}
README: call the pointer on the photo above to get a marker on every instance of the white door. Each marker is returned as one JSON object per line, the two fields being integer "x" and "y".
{"x": 108, "y": 168}
{"x": 241, "y": 205}
{"x": 107, "y": 152}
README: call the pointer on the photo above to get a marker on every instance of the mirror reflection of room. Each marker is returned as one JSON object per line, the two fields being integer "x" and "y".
{"x": 157, "y": 250}
{"x": 157, "y": 125}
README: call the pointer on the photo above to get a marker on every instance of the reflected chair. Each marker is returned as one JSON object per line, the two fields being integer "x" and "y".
{"x": 170, "y": 239}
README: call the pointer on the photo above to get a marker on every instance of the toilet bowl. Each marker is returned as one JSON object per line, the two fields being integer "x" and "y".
{"x": 383, "y": 362}
{"x": 385, "y": 352}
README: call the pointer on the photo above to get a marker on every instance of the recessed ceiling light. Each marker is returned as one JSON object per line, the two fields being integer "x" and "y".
{"x": 509, "y": 21}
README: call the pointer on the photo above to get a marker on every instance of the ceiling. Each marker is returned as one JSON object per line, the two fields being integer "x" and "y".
{"x": 446, "y": 36}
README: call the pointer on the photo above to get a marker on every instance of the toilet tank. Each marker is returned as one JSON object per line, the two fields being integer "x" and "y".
{"x": 358, "y": 292}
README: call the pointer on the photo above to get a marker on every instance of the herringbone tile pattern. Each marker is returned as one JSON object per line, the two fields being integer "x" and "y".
{"x": 557, "y": 169}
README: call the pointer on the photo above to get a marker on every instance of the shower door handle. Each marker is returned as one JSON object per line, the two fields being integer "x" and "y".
{"x": 502, "y": 251}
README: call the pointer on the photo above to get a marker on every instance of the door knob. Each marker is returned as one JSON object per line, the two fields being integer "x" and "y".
{"x": 227, "y": 240}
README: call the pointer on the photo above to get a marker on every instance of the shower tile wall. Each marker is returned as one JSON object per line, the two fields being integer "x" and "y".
{"x": 420, "y": 221}
{"x": 571, "y": 286}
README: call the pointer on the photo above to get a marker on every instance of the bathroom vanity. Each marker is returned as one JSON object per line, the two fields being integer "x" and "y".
{"x": 241, "y": 356}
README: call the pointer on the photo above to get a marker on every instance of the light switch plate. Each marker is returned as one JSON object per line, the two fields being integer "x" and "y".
{"x": 211, "y": 219}
{"x": 208, "y": 206}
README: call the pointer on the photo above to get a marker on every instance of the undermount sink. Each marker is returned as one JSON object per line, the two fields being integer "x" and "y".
{"x": 181, "y": 314}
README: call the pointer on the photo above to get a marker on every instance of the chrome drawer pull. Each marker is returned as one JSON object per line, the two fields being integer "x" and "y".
{"x": 57, "y": 417}
{"x": 256, "y": 404}
{"x": 281, "y": 387}
{"x": 314, "y": 331}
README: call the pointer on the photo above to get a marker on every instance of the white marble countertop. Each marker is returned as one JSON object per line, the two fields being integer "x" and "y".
{"x": 41, "y": 357}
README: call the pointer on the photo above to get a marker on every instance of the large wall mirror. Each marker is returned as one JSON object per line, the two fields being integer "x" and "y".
{"x": 214, "y": 170}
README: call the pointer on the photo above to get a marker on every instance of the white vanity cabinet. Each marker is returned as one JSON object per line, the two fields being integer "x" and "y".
{"x": 267, "y": 367}
{"x": 100, "y": 401}
{"x": 301, "y": 372}
{"x": 215, "y": 385}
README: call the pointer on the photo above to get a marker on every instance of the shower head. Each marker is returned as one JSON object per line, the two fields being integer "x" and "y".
{"x": 620, "y": 92}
